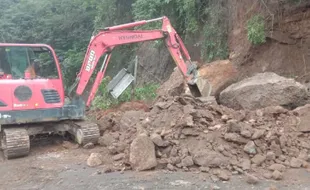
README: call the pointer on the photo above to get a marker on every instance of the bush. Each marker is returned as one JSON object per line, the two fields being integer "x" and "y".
{"x": 104, "y": 100}
{"x": 256, "y": 30}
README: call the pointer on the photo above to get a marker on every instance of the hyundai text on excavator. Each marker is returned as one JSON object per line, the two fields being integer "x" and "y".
{"x": 32, "y": 98}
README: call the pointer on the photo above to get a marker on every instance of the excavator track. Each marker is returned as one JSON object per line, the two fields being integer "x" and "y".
{"x": 85, "y": 132}
{"x": 15, "y": 143}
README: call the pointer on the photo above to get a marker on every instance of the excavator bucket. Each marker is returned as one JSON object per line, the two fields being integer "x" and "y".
{"x": 202, "y": 88}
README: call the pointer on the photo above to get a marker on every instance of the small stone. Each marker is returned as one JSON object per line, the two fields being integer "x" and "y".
{"x": 250, "y": 148}
{"x": 267, "y": 175}
{"x": 216, "y": 127}
{"x": 107, "y": 170}
{"x": 233, "y": 126}
{"x": 204, "y": 169}
{"x": 270, "y": 156}
{"x": 170, "y": 167}
{"x": 258, "y": 159}
{"x": 223, "y": 175}
{"x": 174, "y": 160}
{"x": 271, "y": 188}
{"x": 221, "y": 148}
{"x": 89, "y": 146}
{"x": 258, "y": 134}
{"x": 214, "y": 178}
{"x": 278, "y": 167}
{"x": 187, "y": 161}
{"x": 215, "y": 187}
{"x": 246, "y": 164}
{"x": 118, "y": 157}
{"x": 282, "y": 158}
{"x": 246, "y": 133}
{"x": 157, "y": 140}
{"x": 251, "y": 179}
{"x": 303, "y": 155}
{"x": 106, "y": 140}
{"x": 224, "y": 118}
{"x": 296, "y": 163}
{"x": 277, "y": 175}
{"x": 70, "y": 145}
{"x": 189, "y": 132}
{"x": 234, "y": 137}
{"x": 94, "y": 160}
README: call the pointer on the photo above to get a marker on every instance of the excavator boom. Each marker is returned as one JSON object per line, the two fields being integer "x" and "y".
{"x": 110, "y": 37}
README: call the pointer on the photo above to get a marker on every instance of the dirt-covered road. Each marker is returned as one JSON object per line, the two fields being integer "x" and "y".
{"x": 58, "y": 167}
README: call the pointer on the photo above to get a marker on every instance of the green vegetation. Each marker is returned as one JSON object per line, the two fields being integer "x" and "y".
{"x": 105, "y": 101}
{"x": 256, "y": 30}
{"x": 67, "y": 25}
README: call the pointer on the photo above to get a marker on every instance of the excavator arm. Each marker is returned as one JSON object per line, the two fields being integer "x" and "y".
{"x": 110, "y": 37}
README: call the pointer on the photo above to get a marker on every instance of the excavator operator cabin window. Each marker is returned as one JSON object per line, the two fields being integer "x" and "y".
{"x": 15, "y": 60}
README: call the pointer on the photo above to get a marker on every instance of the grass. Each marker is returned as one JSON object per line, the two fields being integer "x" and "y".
{"x": 105, "y": 101}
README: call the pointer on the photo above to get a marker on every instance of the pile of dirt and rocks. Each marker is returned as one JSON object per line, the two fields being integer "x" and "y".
{"x": 196, "y": 134}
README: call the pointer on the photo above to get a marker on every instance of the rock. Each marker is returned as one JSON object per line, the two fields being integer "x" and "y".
{"x": 158, "y": 141}
{"x": 70, "y": 145}
{"x": 215, "y": 187}
{"x": 89, "y": 146}
{"x": 106, "y": 140}
{"x": 250, "y": 148}
{"x": 106, "y": 170}
{"x": 234, "y": 137}
{"x": 282, "y": 158}
{"x": 258, "y": 134}
{"x": 130, "y": 119}
{"x": 142, "y": 153}
{"x": 204, "y": 169}
{"x": 174, "y": 86}
{"x": 209, "y": 159}
{"x": 171, "y": 167}
{"x": 94, "y": 160}
{"x": 118, "y": 157}
{"x": 258, "y": 159}
{"x": 189, "y": 132}
{"x": 251, "y": 179}
{"x": 223, "y": 175}
{"x": 278, "y": 167}
{"x": 275, "y": 148}
{"x": 246, "y": 133}
{"x": 270, "y": 156}
{"x": 233, "y": 126}
{"x": 187, "y": 161}
{"x": 296, "y": 163}
{"x": 303, "y": 155}
{"x": 255, "y": 92}
{"x": 271, "y": 188}
{"x": 267, "y": 175}
{"x": 277, "y": 175}
{"x": 304, "y": 115}
{"x": 246, "y": 164}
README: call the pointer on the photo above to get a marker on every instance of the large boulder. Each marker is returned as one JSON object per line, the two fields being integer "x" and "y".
{"x": 263, "y": 90}
{"x": 220, "y": 74}
{"x": 142, "y": 153}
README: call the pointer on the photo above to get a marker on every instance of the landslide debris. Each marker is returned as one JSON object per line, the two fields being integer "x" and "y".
{"x": 184, "y": 133}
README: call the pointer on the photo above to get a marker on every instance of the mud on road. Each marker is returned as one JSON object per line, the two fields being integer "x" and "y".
{"x": 62, "y": 165}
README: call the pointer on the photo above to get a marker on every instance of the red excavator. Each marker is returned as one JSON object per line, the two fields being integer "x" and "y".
{"x": 32, "y": 98}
